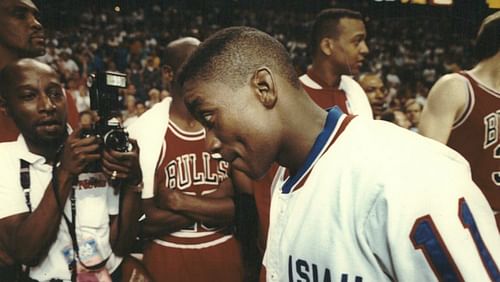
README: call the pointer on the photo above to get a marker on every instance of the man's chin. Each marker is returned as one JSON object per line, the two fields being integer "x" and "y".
{"x": 52, "y": 138}
{"x": 35, "y": 51}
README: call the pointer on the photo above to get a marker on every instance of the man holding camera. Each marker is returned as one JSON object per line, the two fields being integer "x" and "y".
{"x": 59, "y": 219}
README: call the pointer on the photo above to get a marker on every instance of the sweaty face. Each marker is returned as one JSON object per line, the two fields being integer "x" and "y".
{"x": 350, "y": 47}
{"x": 21, "y": 32}
{"x": 376, "y": 92}
{"x": 235, "y": 123}
{"x": 36, "y": 101}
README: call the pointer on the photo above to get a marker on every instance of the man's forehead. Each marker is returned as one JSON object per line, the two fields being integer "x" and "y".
{"x": 352, "y": 26}
{"x": 28, "y": 74}
{"x": 23, "y": 3}
{"x": 371, "y": 79}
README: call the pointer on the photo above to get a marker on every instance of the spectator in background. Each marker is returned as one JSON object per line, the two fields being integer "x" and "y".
{"x": 413, "y": 110}
{"x": 66, "y": 65}
{"x": 462, "y": 111}
{"x": 130, "y": 109}
{"x": 397, "y": 117}
{"x": 338, "y": 49}
{"x": 86, "y": 119}
{"x": 151, "y": 75}
{"x": 374, "y": 88}
{"x": 140, "y": 108}
{"x": 154, "y": 98}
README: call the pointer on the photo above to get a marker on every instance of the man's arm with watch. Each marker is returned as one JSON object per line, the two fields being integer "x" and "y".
{"x": 124, "y": 168}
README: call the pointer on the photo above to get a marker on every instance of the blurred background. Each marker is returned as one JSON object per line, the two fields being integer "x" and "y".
{"x": 412, "y": 42}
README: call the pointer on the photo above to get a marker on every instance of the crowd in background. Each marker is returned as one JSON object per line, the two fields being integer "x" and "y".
{"x": 134, "y": 41}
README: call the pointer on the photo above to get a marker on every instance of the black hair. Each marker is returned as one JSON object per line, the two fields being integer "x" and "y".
{"x": 231, "y": 56}
{"x": 488, "y": 37}
{"x": 326, "y": 25}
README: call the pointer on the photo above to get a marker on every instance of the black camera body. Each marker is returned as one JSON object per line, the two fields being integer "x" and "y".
{"x": 103, "y": 91}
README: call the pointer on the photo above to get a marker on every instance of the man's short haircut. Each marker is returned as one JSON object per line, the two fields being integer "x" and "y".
{"x": 326, "y": 25}
{"x": 233, "y": 54}
{"x": 6, "y": 74}
{"x": 488, "y": 37}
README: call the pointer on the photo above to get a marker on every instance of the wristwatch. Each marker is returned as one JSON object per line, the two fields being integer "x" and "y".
{"x": 137, "y": 188}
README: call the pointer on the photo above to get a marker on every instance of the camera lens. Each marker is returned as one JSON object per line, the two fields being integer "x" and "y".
{"x": 117, "y": 140}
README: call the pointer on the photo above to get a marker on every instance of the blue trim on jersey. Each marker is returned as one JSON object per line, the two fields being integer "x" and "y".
{"x": 331, "y": 122}
{"x": 469, "y": 223}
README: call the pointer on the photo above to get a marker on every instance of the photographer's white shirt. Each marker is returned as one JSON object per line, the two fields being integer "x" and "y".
{"x": 95, "y": 201}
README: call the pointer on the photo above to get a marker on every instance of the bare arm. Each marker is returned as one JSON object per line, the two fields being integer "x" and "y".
{"x": 125, "y": 226}
{"x": 34, "y": 233}
{"x": 216, "y": 208}
{"x": 446, "y": 103}
{"x": 161, "y": 222}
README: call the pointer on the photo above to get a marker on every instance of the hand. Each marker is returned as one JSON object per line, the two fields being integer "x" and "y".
{"x": 78, "y": 153}
{"x": 123, "y": 166}
{"x": 169, "y": 199}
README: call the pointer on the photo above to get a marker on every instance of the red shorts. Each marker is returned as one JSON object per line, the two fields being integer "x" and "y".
{"x": 219, "y": 263}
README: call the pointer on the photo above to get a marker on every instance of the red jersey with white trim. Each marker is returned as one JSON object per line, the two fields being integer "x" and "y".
{"x": 326, "y": 97}
{"x": 185, "y": 165}
{"x": 475, "y": 136}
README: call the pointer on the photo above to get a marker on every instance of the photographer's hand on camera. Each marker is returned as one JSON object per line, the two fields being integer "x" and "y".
{"x": 123, "y": 167}
{"x": 78, "y": 152}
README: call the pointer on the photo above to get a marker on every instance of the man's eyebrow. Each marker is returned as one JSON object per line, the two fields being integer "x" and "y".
{"x": 195, "y": 103}
{"x": 54, "y": 84}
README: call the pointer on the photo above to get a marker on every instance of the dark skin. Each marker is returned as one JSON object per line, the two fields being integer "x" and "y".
{"x": 21, "y": 34}
{"x": 35, "y": 101}
{"x": 171, "y": 210}
{"x": 341, "y": 54}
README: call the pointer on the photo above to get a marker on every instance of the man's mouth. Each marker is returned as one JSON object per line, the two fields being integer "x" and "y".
{"x": 49, "y": 125}
{"x": 38, "y": 37}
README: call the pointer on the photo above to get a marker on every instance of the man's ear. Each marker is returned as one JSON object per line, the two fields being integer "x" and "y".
{"x": 264, "y": 87}
{"x": 326, "y": 46}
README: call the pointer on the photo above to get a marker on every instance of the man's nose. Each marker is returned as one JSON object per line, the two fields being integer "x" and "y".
{"x": 45, "y": 103}
{"x": 364, "y": 48}
{"x": 212, "y": 143}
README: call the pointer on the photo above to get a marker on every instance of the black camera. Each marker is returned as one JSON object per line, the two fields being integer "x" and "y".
{"x": 103, "y": 91}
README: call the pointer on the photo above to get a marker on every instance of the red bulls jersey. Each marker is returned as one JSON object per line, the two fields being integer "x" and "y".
{"x": 185, "y": 165}
{"x": 325, "y": 97}
{"x": 475, "y": 136}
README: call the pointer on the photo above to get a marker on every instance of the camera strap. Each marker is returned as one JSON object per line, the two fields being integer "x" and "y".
{"x": 24, "y": 175}
{"x": 72, "y": 230}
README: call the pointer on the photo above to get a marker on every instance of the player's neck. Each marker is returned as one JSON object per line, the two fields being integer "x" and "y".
{"x": 180, "y": 115}
{"x": 324, "y": 72}
{"x": 488, "y": 71}
{"x": 299, "y": 139}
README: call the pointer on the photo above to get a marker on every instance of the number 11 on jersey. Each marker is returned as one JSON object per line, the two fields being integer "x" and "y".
{"x": 425, "y": 236}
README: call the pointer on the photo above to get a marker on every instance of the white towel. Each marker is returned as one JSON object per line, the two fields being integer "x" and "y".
{"x": 356, "y": 97}
{"x": 149, "y": 131}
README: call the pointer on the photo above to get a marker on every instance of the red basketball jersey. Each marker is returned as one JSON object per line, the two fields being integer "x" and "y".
{"x": 475, "y": 136}
{"x": 185, "y": 165}
{"x": 325, "y": 96}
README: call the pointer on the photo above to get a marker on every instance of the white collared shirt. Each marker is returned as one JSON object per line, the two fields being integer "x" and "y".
{"x": 95, "y": 201}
